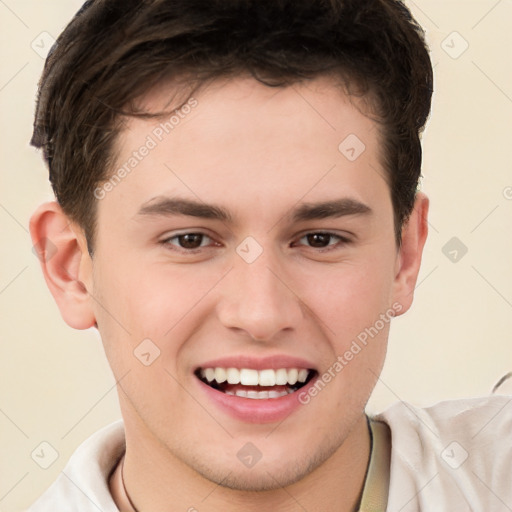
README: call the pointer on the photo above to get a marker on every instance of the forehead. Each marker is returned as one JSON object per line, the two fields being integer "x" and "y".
{"x": 239, "y": 139}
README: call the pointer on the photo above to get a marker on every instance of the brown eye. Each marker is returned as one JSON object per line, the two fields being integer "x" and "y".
{"x": 187, "y": 241}
{"x": 190, "y": 240}
{"x": 318, "y": 240}
{"x": 323, "y": 240}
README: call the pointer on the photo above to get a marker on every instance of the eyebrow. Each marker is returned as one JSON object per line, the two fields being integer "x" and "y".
{"x": 168, "y": 206}
{"x": 327, "y": 209}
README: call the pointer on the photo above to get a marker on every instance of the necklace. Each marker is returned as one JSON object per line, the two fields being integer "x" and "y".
{"x": 124, "y": 487}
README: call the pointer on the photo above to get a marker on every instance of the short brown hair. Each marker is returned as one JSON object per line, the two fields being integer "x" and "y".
{"x": 113, "y": 51}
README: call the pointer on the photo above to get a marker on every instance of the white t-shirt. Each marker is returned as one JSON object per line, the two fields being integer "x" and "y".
{"x": 455, "y": 456}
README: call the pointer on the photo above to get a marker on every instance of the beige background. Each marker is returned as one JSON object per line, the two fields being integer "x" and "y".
{"x": 455, "y": 342}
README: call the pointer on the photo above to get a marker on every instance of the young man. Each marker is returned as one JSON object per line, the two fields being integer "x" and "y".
{"x": 237, "y": 214}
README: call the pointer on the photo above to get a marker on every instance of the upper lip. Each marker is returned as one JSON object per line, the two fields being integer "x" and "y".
{"x": 258, "y": 363}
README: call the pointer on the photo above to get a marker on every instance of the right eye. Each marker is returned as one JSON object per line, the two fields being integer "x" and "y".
{"x": 187, "y": 242}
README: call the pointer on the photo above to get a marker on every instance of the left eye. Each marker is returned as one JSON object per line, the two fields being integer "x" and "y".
{"x": 322, "y": 240}
{"x": 188, "y": 240}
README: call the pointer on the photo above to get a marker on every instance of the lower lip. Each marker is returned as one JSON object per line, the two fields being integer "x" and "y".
{"x": 253, "y": 410}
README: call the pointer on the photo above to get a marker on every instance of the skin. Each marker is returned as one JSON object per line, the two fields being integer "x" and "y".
{"x": 258, "y": 152}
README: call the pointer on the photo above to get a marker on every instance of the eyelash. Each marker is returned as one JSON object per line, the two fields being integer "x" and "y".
{"x": 166, "y": 242}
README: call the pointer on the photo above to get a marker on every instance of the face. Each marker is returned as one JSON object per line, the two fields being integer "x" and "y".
{"x": 243, "y": 278}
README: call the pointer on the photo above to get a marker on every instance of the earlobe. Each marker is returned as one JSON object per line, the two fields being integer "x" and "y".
{"x": 65, "y": 263}
{"x": 414, "y": 235}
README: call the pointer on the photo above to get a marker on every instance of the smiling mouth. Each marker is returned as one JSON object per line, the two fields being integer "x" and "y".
{"x": 255, "y": 384}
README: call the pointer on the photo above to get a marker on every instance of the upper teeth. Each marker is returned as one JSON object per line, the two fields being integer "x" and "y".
{"x": 250, "y": 377}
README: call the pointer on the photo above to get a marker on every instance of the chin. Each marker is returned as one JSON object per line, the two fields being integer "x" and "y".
{"x": 255, "y": 480}
{"x": 271, "y": 474}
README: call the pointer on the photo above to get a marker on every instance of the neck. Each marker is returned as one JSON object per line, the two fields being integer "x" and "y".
{"x": 157, "y": 481}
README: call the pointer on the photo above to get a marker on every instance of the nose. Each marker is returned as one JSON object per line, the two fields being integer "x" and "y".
{"x": 258, "y": 299}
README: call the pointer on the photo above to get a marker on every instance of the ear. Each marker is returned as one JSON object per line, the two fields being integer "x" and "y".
{"x": 67, "y": 267}
{"x": 414, "y": 235}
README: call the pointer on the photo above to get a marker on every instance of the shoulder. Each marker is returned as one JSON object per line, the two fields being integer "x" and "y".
{"x": 83, "y": 483}
{"x": 469, "y": 419}
{"x": 453, "y": 455}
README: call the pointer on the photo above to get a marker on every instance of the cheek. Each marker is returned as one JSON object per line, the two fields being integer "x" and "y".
{"x": 349, "y": 298}
{"x": 137, "y": 301}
